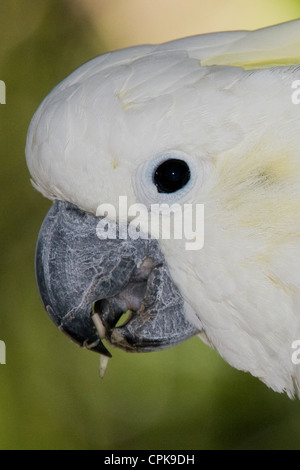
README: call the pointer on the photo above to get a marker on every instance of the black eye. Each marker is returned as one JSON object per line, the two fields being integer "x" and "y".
{"x": 171, "y": 175}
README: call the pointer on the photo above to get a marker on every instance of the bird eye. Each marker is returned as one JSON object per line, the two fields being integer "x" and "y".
{"x": 171, "y": 175}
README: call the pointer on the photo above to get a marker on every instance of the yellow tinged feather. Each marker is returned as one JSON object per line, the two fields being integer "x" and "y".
{"x": 277, "y": 45}
{"x": 254, "y": 64}
{"x": 260, "y": 195}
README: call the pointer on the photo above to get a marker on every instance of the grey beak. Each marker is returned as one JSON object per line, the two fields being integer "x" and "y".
{"x": 79, "y": 274}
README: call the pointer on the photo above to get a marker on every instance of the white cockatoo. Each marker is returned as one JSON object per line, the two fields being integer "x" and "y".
{"x": 207, "y": 121}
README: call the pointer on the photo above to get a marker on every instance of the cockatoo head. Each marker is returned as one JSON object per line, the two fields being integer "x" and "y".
{"x": 206, "y": 121}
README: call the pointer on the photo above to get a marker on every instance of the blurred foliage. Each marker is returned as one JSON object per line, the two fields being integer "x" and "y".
{"x": 122, "y": 23}
{"x": 50, "y": 393}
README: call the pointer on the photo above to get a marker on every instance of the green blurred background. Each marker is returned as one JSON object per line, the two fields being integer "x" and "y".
{"x": 50, "y": 394}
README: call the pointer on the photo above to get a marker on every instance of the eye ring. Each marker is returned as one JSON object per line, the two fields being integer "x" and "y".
{"x": 146, "y": 190}
{"x": 171, "y": 175}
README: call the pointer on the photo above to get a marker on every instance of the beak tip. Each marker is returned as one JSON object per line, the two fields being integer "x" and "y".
{"x": 91, "y": 343}
{"x": 101, "y": 349}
